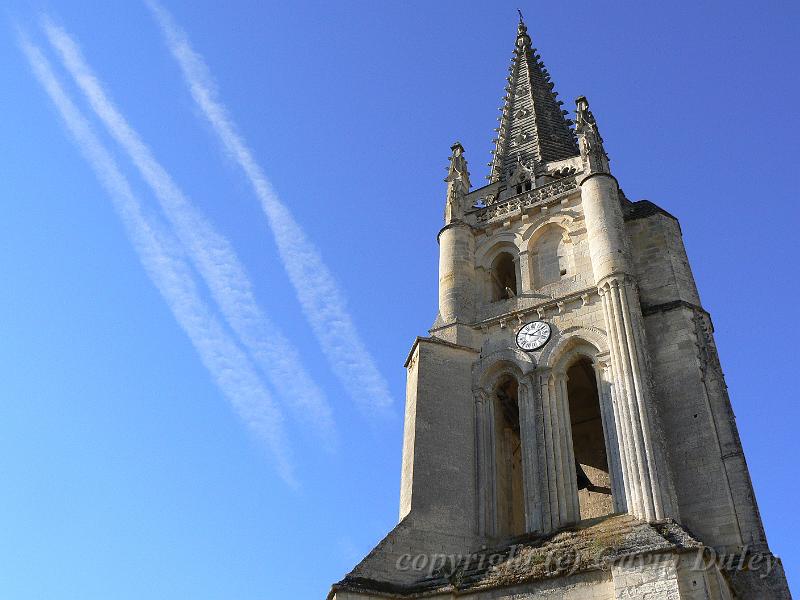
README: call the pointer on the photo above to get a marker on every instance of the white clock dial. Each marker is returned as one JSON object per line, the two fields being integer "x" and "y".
{"x": 533, "y": 335}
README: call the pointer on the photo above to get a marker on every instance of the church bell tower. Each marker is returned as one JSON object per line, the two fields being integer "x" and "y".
{"x": 568, "y": 431}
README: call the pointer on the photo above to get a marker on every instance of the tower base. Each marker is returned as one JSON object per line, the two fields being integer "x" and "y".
{"x": 614, "y": 557}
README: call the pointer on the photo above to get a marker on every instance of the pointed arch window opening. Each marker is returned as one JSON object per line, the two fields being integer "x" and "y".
{"x": 589, "y": 443}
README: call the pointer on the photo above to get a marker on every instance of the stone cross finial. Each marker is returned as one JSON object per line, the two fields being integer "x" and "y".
{"x": 523, "y": 39}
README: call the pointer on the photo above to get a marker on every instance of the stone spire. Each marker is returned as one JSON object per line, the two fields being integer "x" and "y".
{"x": 457, "y": 184}
{"x": 533, "y": 127}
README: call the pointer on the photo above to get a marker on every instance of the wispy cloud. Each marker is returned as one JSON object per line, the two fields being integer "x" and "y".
{"x": 161, "y": 257}
{"x": 320, "y": 297}
{"x": 210, "y": 252}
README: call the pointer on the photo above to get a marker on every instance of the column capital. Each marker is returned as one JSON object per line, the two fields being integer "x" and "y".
{"x": 616, "y": 280}
{"x": 603, "y": 361}
{"x": 480, "y": 395}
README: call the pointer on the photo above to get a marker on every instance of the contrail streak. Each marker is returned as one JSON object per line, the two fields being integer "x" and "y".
{"x": 160, "y": 254}
{"x": 211, "y": 253}
{"x": 320, "y": 297}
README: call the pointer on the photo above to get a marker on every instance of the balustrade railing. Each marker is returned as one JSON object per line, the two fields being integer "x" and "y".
{"x": 526, "y": 199}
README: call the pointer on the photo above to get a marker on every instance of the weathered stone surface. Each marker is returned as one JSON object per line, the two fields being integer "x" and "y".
{"x": 601, "y": 544}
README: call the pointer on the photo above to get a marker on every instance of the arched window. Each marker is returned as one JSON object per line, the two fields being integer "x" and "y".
{"x": 509, "y": 494}
{"x": 549, "y": 257}
{"x": 588, "y": 441}
{"x": 504, "y": 277}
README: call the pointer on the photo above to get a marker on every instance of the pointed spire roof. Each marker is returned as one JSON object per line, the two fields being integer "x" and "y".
{"x": 533, "y": 127}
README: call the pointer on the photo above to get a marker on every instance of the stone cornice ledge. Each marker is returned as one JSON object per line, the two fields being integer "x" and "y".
{"x": 556, "y": 303}
{"x": 435, "y": 340}
{"x": 649, "y": 309}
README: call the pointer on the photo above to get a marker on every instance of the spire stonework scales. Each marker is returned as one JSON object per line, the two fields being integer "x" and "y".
{"x": 533, "y": 127}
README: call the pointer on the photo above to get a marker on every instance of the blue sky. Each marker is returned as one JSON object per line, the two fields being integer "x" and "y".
{"x": 128, "y": 469}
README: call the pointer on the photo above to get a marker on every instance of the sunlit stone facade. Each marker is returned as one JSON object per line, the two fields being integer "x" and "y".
{"x": 602, "y": 460}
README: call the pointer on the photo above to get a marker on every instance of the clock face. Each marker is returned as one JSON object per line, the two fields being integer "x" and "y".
{"x": 533, "y": 335}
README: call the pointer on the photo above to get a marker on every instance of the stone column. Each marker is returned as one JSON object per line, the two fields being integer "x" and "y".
{"x": 559, "y": 495}
{"x": 573, "y": 513}
{"x": 525, "y": 282}
{"x": 625, "y": 430}
{"x": 647, "y": 485}
{"x": 531, "y": 475}
{"x": 611, "y": 420}
{"x": 648, "y": 479}
{"x": 485, "y": 462}
{"x": 547, "y": 457}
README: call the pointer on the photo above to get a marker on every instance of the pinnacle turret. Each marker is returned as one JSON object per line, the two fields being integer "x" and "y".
{"x": 533, "y": 127}
{"x": 593, "y": 154}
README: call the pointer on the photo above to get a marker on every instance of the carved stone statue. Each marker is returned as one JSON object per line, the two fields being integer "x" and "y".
{"x": 457, "y": 184}
{"x": 521, "y": 175}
